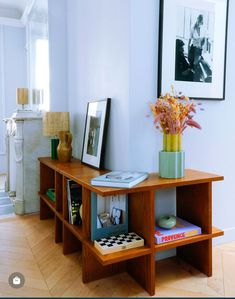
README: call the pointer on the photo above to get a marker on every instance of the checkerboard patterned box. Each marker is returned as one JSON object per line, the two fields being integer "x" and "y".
{"x": 118, "y": 243}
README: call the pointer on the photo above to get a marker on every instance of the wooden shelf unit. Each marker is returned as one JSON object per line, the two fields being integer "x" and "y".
{"x": 194, "y": 204}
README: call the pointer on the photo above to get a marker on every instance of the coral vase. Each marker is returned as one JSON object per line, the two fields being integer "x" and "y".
{"x": 64, "y": 149}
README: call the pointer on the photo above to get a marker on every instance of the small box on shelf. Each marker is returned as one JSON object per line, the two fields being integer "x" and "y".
{"x": 118, "y": 243}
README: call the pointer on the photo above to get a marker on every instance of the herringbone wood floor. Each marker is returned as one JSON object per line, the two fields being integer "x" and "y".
{"x": 27, "y": 246}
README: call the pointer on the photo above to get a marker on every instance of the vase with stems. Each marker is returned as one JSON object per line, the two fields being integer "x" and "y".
{"x": 173, "y": 113}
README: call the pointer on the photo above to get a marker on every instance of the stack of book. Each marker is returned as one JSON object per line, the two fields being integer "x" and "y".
{"x": 120, "y": 179}
{"x": 183, "y": 229}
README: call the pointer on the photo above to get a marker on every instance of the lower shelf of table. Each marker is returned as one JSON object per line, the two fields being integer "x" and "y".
{"x": 119, "y": 256}
{"x": 49, "y": 202}
{"x": 165, "y": 246}
{"x": 76, "y": 230}
{"x": 130, "y": 253}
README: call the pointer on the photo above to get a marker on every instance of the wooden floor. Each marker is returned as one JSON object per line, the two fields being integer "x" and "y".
{"x": 27, "y": 246}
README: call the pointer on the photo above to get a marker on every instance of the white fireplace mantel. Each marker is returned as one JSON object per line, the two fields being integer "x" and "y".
{"x": 29, "y": 144}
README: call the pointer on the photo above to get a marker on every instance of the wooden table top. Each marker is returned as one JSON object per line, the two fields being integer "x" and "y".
{"x": 83, "y": 174}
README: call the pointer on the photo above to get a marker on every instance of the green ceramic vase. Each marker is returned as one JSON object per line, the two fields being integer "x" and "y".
{"x": 171, "y": 164}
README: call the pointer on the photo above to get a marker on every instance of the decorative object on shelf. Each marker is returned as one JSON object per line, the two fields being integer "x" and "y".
{"x": 173, "y": 113}
{"x": 120, "y": 179}
{"x": 53, "y": 122}
{"x": 118, "y": 243}
{"x": 95, "y": 133}
{"x": 64, "y": 149}
{"x": 182, "y": 229}
{"x": 167, "y": 221}
{"x": 22, "y": 96}
{"x": 109, "y": 215}
{"x": 192, "y": 47}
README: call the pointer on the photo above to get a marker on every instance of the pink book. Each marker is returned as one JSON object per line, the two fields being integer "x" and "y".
{"x": 183, "y": 229}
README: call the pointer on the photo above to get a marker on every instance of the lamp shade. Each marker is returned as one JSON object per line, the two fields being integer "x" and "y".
{"x": 53, "y": 122}
{"x": 22, "y": 96}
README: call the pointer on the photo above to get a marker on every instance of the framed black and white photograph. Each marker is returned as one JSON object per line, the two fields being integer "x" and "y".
{"x": 192, "y": 47}
{"x": 95, "y": 133}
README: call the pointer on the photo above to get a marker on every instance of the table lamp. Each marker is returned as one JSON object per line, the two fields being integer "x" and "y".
{"x": 22, "y": 97}
{"x": 53, "y": 122}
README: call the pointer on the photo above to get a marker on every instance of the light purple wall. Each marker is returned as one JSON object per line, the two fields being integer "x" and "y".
{"x": 98, "y": 61}
{"x": 15, "y": 65}
{"x": 112, "y": 52}
{"x": 57, "y": 19}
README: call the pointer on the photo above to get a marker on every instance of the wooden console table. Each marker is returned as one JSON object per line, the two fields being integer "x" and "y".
{"x": 194, "y": 204}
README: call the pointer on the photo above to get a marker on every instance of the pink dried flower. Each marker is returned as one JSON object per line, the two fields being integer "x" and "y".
{"x": 173, "y": 113}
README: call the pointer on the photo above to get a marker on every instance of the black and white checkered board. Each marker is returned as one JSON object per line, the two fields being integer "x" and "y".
{"x": 118, "y": 243}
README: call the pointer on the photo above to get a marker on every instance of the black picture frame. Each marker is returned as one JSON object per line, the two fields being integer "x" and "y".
{"x": 95, "y": 133}
{"x": 192, "y": 48}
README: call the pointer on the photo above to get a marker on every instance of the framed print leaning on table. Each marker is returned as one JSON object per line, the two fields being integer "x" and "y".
{"x": 192, "y": 47}
{"x": 95, "y": 133}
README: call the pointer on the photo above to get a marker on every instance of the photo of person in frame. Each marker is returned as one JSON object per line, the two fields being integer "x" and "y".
{"x": 93, "y": 136}
{"x": 183, "y": 70}
{"x": 194, "y": 45}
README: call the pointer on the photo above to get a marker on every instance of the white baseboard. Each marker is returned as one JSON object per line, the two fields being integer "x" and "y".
{"x": 229, "y": 236}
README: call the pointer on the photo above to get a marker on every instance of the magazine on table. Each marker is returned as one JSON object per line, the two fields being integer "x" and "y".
{"x": 120, "y": 179}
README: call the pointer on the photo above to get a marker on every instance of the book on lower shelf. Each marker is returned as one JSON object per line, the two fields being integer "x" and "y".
{"x": 118, "y": 243}
{"x": 74, "y": 192}
{"x": 51, "y": 194}
{"x": 183, "y": 229}
{"x": 120, "y": 179}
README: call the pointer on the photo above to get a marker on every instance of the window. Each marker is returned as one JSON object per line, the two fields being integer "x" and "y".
{"x": 42, "y": 71}
{"x": 38, "y": 55}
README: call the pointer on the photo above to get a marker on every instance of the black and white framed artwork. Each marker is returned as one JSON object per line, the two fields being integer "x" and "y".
{"x": 95, "y": 133}
{"x": 192, "y": 47}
